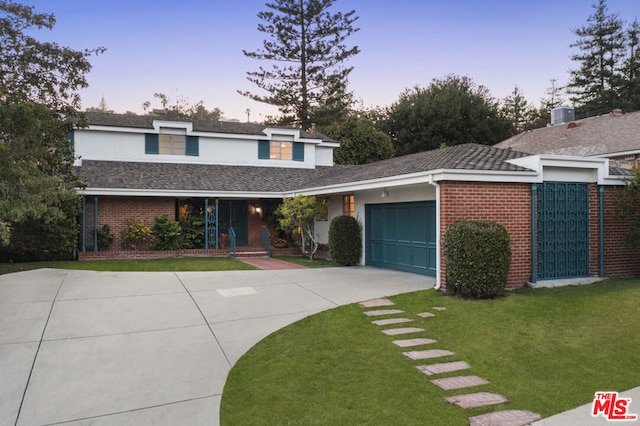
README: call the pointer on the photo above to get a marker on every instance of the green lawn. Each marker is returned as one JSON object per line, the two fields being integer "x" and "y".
{"x": 136, "y": 265}
{"x": 547, "y": 350}
{"x": 305, "y": 261}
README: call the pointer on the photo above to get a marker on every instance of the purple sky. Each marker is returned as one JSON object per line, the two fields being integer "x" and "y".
{"x": 193, "y": 49}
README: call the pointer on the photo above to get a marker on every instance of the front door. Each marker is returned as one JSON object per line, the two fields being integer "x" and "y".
{"x": 233, "y": 213}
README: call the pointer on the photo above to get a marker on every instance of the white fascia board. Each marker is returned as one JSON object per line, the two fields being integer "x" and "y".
{"x": 329, "y": 144}
{"x": 273, "y": 132}
{"x": 539, "y": 162}
{"x": 616, "y": 154}
{"x": 115, "y": 129}
{"x": 187, "y": 125}
{"x": 120, "y": 192}
{"x": 424, "y": 177}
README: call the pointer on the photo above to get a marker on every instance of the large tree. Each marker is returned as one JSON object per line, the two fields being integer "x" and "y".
{"x": 517, "y": 109}
{"x": 39, "y": 102}
{"x": 305, "y": 43}
{"x": 631, "y": 69}
{"x": 360, "y": 141}
{"x": 451, "y": 111}
{"x": 181, "y": 108}
{"x": 596, "y": 84}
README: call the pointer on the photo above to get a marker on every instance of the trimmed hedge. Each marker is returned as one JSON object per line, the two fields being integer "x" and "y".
{"x": 345, "y": 240}
{"x": 478, "y": 256}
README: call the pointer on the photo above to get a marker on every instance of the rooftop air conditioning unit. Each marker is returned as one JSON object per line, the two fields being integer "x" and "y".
{"x": 562, "y": 115}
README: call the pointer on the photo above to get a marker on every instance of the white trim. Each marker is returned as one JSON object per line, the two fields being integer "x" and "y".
{"x": 186, "y": 125}
{"x": 539, "y": 162}
{"x": 119, "y": 192}
{"x": 616, "y": 154}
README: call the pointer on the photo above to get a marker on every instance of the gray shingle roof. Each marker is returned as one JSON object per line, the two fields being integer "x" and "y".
{"x": 199, "y": 177}
{"x": 605, "y": 134}
{"x": 213, "y": 126}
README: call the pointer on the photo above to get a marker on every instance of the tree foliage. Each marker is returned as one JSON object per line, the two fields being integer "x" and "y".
{"x": 518, "y": 111}
{"x": 300, "y": 212}
{"x": 38, "y": 110}
{"x": 596, "y": 84}
{"x": 305, "y": 42}
{"x": 451, "y": 111}
{"x": 360, "y": 141}
{"x": 628, "y": 207}
{"x": 182, "y": 109}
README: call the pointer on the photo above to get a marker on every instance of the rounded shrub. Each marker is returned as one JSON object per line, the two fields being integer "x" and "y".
{"x": 477, "y": 256}
{"x": 345, "y": 240}
{"x": 167, "y": 234}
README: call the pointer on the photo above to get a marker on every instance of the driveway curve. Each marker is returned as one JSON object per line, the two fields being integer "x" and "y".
{"x": 148, "y": 348}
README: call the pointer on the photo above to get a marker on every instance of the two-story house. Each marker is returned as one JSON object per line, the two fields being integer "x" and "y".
{"x": 558, "y": 210}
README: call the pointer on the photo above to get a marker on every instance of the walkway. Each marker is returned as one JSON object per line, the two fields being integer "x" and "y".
{"x": 106, "y": 348}
{"x": 269, "y": 263}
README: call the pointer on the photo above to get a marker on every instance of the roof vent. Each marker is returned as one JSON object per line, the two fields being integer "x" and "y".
{"x": 562, "y": 115}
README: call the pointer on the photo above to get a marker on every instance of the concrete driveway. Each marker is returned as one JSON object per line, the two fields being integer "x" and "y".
{"x": 109, "y": 348}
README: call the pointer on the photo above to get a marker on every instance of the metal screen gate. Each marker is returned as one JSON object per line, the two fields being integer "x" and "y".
{"x": 563, "y": 230}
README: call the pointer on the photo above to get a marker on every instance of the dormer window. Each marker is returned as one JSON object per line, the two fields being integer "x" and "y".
{"x": 281, "y": 150}
{"x": 172, "y": 144}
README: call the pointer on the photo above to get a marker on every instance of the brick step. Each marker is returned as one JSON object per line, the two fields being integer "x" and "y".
{"x": 479, "y": 399}
{"x": 505, "y": 418}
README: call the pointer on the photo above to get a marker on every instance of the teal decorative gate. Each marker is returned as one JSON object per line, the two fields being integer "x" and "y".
{"x": 563, "y": 230}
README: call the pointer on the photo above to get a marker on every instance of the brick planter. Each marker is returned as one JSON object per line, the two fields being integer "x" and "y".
{"x": 151, "y": 254}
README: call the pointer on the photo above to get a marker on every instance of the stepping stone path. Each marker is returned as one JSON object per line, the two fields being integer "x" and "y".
{"x": 413, "y": 342}
{"x": 474, "y": 400}
{"x": 504, "y": 418}
{"x": 445, "y": 367}
{"x": 381, "y": 312}
{"x": 465, "y": 401}
{"x": 459, "y": 382}
{"x": 406, "y": 330}
{"x": 391, "y": 321}
{"x": 431, "y": 353}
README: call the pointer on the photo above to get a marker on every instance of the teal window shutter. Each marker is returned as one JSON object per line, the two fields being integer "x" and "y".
{"x": 263, "y": 150}
{"x": 298, "y": 151}
{"x": 71, "y": 136}
{"x": 151, "y": 144}
{"x": 192, "y": 147}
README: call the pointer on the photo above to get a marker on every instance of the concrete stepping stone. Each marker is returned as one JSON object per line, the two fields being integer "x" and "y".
{"x": 380, "y": 312}
{"x": 391, "y": 321}
{"x": 413, "y": 342}
{"x": 376, "y": 302}
{"x": 445, "y": 367}
{"x": 405, "y": 330}
{"x": 439, "y": 308}
{"x": 459, "y": 382}
{"x": 426, "y": 314}
{"x": 504, "y": 418}
{"x": 479, "y": 399}
{"x": 428, "y": 354}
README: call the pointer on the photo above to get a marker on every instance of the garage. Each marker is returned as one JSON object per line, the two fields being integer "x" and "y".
{"x": 401, "y": 236}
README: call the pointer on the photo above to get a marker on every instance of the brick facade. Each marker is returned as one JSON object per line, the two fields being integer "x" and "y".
{"x": 510, "y": 205}
{"x": 506, "y": 203}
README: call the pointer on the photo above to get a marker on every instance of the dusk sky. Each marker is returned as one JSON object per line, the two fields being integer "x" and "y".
{"x": 192, "y": 49}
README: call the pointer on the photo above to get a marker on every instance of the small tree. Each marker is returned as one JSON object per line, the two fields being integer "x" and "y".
{"x": 167, "y": 234}
{"x": 628, "y": 207}
{"x": 300, "y": 212}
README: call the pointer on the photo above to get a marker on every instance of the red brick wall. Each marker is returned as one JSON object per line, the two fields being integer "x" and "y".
{"x": 255, "y": 225}
{"x": 620, "y": 260}
{"x": 117, "y": 211}
{"x": 506, "y": 203}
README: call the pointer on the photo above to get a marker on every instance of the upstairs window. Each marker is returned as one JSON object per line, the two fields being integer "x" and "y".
{"x": 280, "y": 150}
{"x": 168, "y": 144}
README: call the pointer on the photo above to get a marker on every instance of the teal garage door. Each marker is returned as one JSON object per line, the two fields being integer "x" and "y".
{"x": 401, "y": 236}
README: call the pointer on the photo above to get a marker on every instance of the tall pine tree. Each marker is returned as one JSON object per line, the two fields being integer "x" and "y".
{"x": 631, "y": 70}
{"x": 305, "y": 41}
{"x": 596, "y": 84}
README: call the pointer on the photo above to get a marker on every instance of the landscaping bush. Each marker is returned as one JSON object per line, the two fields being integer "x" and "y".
{"x": 345, "y": 240}
{"x": 167, "y": 234}
{"x": 136, "y": 233}
{"x": 105, "y": 237}
{"x": 193, "y": 231}
{"x": 477, "y": 255}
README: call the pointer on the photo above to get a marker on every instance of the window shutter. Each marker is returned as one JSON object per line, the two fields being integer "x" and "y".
{"x": 192, "y": 147}
{"x": 151, "y": 144}
{"x": 298, "y": 151}
{"x": 263, "y": 150}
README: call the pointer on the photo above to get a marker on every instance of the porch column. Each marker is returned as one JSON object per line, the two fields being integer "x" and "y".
{"x": 601, "y": 236}
{"x": 206, "y": 224}
{"x": 217, "y": 222}
{"x": 534, "y": 232}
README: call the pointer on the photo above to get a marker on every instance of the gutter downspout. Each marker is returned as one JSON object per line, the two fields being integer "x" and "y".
{"x": 437, "y": 186}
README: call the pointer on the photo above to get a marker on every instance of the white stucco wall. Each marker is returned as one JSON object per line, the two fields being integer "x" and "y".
{"x": 124, "y": 146}
{"x": 420, "y": 192}
{"x": 324, "y": 156}
{"x": 566, "y": 174}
